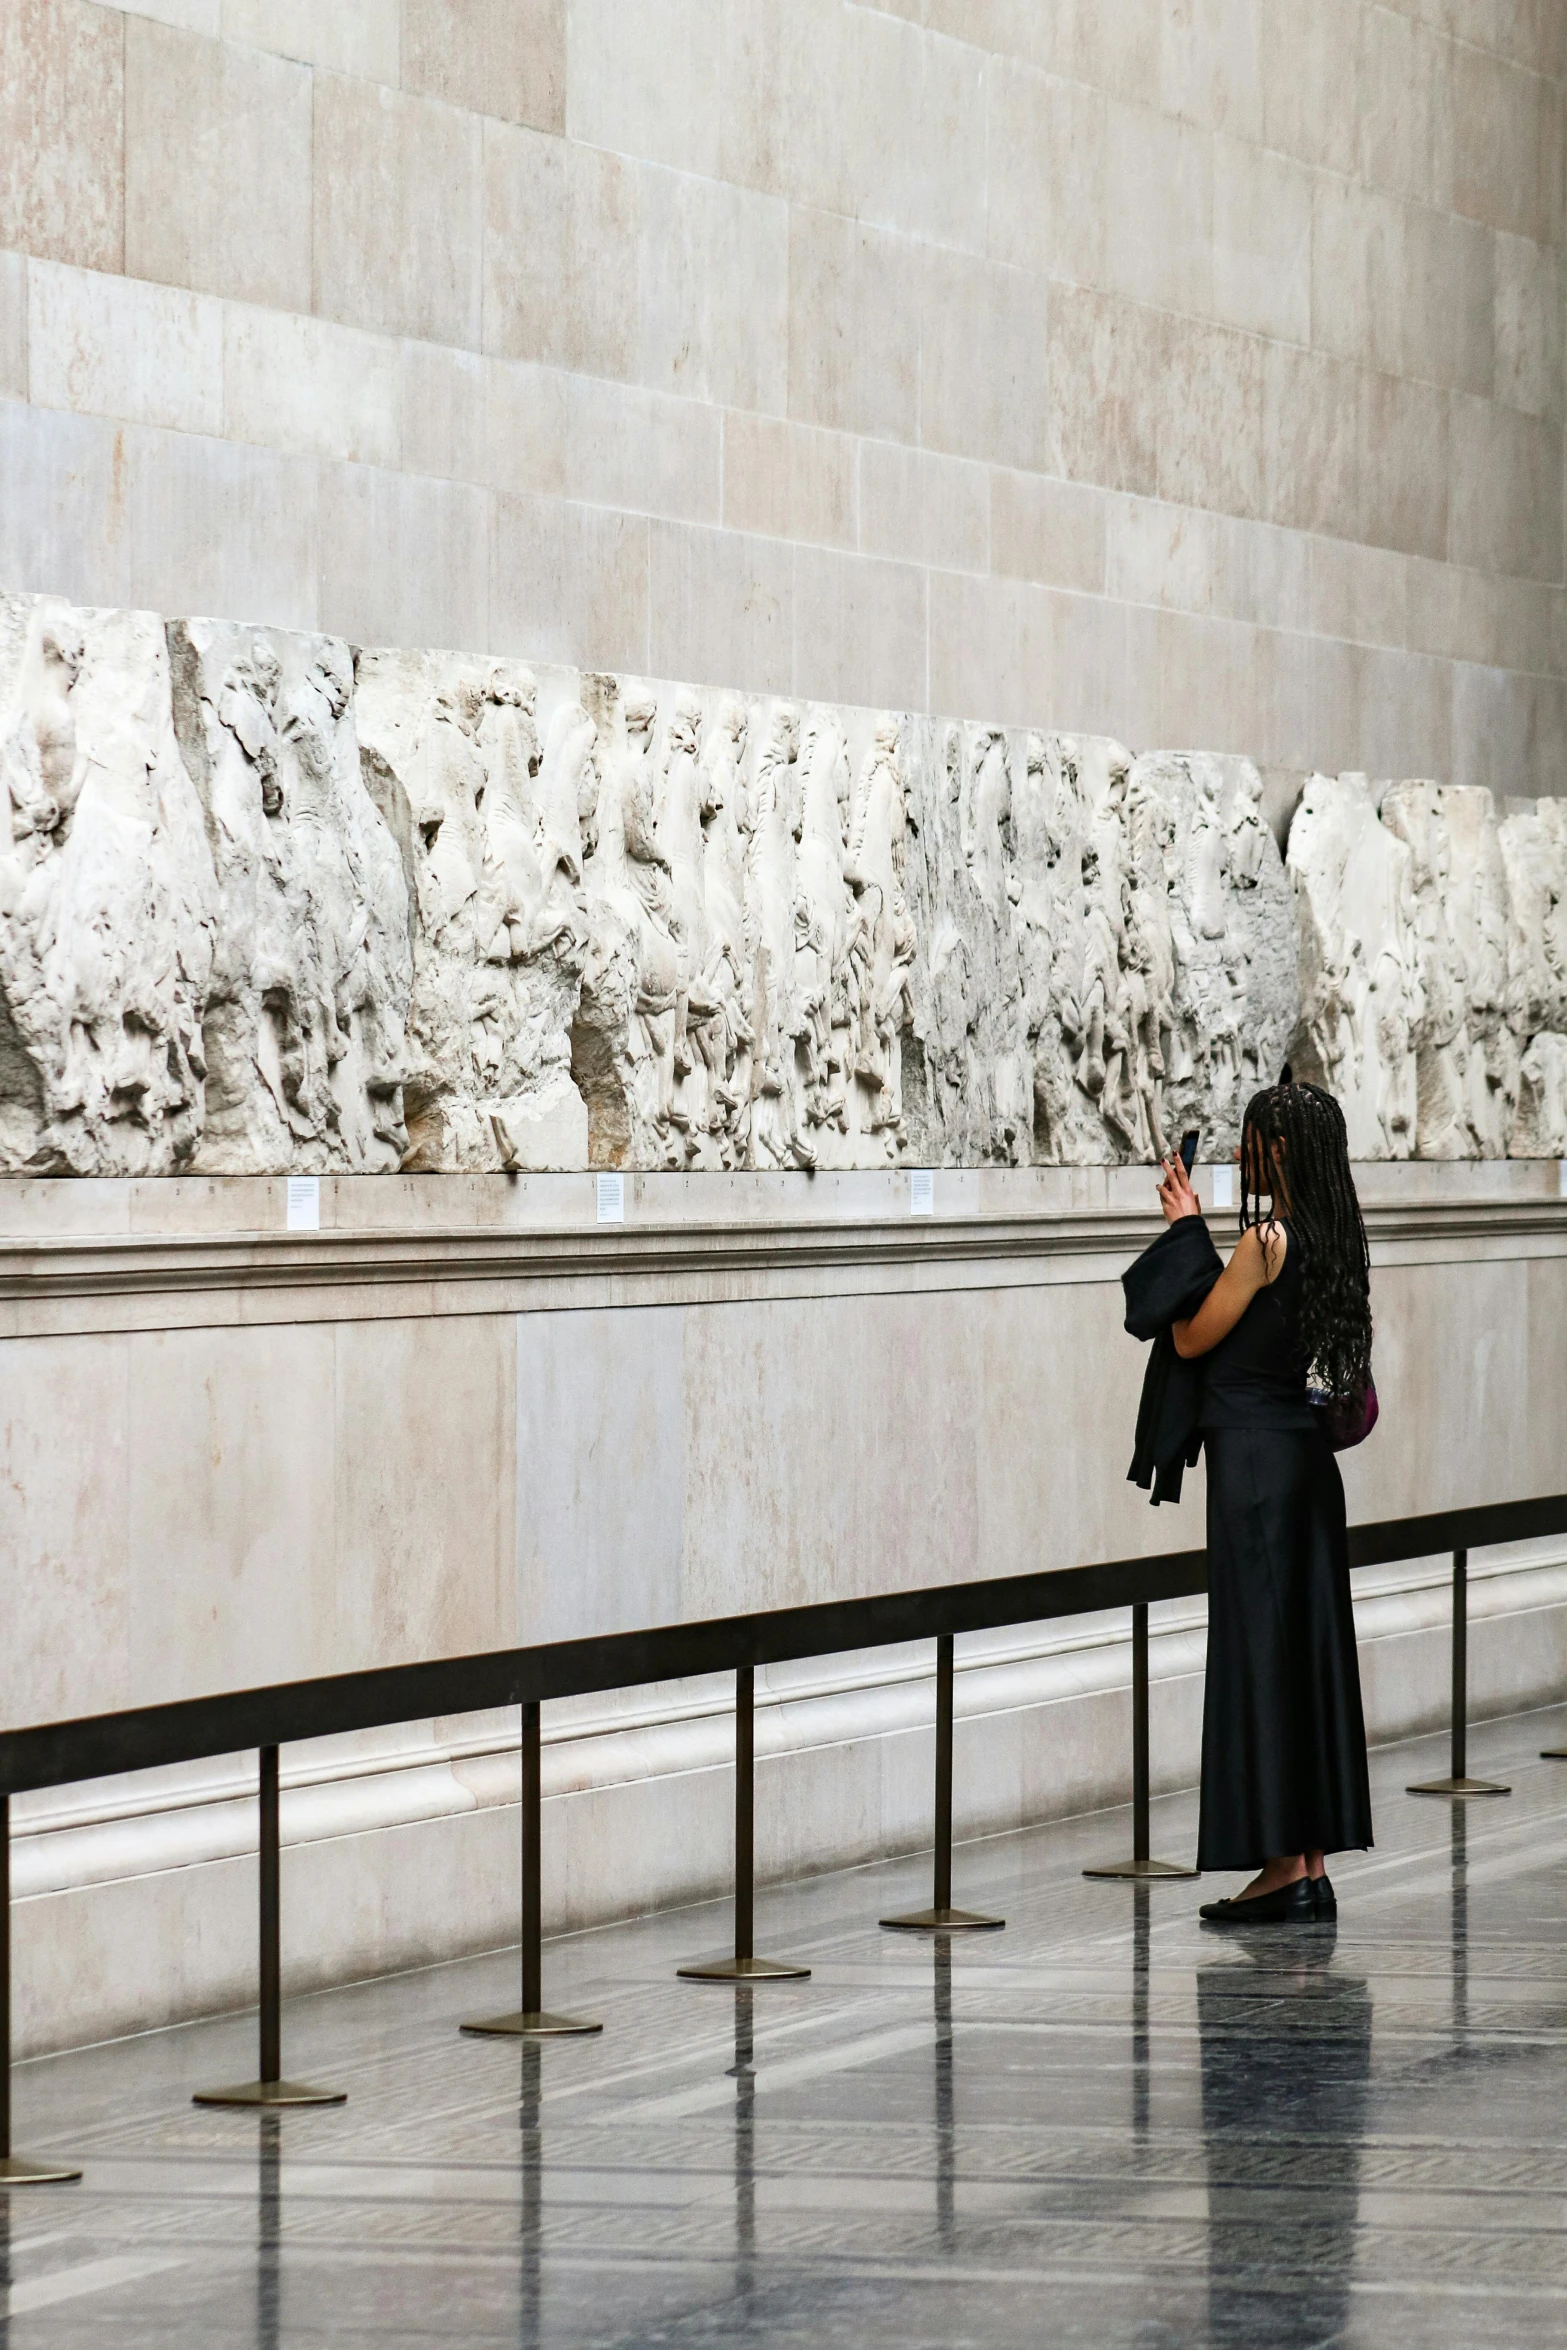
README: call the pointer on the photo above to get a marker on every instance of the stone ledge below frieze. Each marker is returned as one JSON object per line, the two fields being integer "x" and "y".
{"x": 83, "y": 1255}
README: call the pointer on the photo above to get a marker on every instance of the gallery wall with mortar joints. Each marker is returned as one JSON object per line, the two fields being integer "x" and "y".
{"x": 1174, "y": 372}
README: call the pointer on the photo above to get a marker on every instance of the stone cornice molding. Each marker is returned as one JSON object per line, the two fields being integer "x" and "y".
{"x": 52, "y": 1287}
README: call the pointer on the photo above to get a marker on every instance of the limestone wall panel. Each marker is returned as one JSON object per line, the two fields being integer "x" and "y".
{"x": 899, "y": 1508}
{"x": 424, "y": 1455}
{"x": 398, "y": 221}
{"x": 70, "y": 1580}
{"x": 62, "y": 155}
{"x": 499, "y": 57}
{"x": 217, "y": 142}
{"x": 233, "y": 1542}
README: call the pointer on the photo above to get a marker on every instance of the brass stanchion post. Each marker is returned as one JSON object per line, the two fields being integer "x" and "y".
{"x": 941, "y": 1917}
{"x": 745, "y": 1966}
{"x": 1459, "y": 1783}
{"x": 271, "y": 2089}
{"x": 1140, "y": 1865}
{"x": 15, "y": 2169}
{"x": 532, "y": 2021}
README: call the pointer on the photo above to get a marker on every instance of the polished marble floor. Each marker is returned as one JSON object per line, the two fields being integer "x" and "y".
{"x": 1105, "y": 2125}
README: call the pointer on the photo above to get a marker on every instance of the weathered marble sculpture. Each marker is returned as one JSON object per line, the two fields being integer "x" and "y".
{"x": 108, "y": 905}
{"x": 1465, "y": 1073}
{"x": 1223, "y": 960}
{"x": 966, "y": 1069}
{"x": 489, "y": 838}
{"x": 1107, "y": 952}
{"x": 271, "y": 904}
{"x": 1361, "y": 998}
{"x": 307, "y": 1003}
{"x": 1434, "y": 966}
{"x": 1534, "y": 852}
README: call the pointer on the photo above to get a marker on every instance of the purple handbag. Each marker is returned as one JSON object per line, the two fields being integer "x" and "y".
{"x": 1348, "y": 1420}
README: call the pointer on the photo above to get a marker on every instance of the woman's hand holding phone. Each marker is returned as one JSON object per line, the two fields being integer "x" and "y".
{"x": 1176, "y": 1196}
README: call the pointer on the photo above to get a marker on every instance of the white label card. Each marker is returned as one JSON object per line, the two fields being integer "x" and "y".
{"x": 922, "y": 1191}
{"x": 611, "y": 1190}
{"x": 304, "y": 1203}
{"x": 1224, "y": 1186}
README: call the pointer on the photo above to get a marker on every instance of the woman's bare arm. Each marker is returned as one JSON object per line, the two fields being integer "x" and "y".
{"x": 1258, "y": 1259}
{"x": 1246, "y": 1273}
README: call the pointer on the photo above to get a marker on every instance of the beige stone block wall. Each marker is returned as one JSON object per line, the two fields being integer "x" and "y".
{"x": 1188, "y": 369}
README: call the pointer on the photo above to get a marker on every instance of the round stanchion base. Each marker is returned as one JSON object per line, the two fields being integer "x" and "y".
{"x": 270, "y": 2096}
{"x": 743, "y": 1970}
{"x": 537, "y": 2024}
{"x": 1141, "y": 1870}
{"x": 1458, "y": 1787}
{"x": 1553, "y": 1754}
{"x": 17, "y": 2171}
{"x": 943, "y": 1921}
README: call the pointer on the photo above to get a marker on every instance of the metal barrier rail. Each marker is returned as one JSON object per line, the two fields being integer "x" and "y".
{"x": 145, "y": 1737}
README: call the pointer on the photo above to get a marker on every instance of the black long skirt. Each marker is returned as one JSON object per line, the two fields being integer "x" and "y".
{"x": 1283, "y": 1735}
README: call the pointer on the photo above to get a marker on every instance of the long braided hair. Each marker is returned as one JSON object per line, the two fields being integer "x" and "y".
{"x": 1304, "y": 1126}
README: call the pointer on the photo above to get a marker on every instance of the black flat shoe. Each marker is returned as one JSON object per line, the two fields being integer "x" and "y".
{"x": 1290, "y": 1905}
{"x": 1326, "y": 1899}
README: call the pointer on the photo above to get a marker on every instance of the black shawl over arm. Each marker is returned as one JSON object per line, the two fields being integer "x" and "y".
{"x": 1167, "y": 1284}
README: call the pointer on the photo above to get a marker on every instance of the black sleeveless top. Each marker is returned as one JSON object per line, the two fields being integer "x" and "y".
{"x": 1256, "y": 1377}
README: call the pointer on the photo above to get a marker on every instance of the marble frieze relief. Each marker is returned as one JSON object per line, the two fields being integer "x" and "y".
{"x": 270, "y": 903}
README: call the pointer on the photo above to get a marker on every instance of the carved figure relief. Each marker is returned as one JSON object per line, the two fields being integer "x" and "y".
{"x": 108, "y": 903}
{"x": 489, "y": 850}
{"x": 306, "y": 1012}
{"x": 1434, "y": 966}
{"x": 1478, "y": 915}
{"x": 881, "y": 936}
{"x": 1534, "y": 854}
{"x": 267, "y": 904}
{"x": 1362, "y": 1002}
{"x": 1454, "y": 1079}
{"x": 727, "y": 1036}
{"x": 1234, "y": 984}
{"x": 1050, "y": 822}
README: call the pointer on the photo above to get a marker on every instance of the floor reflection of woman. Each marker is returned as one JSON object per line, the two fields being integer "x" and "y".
{"x": 1284, "y": 1778}
{"x": 1286, "y": 2044}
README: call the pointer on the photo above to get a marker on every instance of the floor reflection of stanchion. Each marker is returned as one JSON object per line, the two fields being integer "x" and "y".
{"x": 530, "y": 2125}
{"x": 1140, "y": 1955}
{"x": 1460, "y": 1783}
{"x": 946, "y": 2119}
{"x": 743, "y": 2074}
{"x": 941, "y": 1917}
{"x": 15, "y": 2169}
{"x": 745, "y": 1966}
{"x": 269, "y": 2219}
{"x": 1460, "y": 1852}
{"x": 1140, "y": 1865}
{"x": 270, "y": 2088}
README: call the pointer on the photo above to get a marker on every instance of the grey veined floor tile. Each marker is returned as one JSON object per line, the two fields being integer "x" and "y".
{"x": 1107, "y": 2125}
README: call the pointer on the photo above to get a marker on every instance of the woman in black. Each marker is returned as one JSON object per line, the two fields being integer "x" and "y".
{"x": 1283, "y": 1739}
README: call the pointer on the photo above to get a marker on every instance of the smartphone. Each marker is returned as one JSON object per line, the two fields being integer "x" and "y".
{"x": 1189, "y": 1142}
